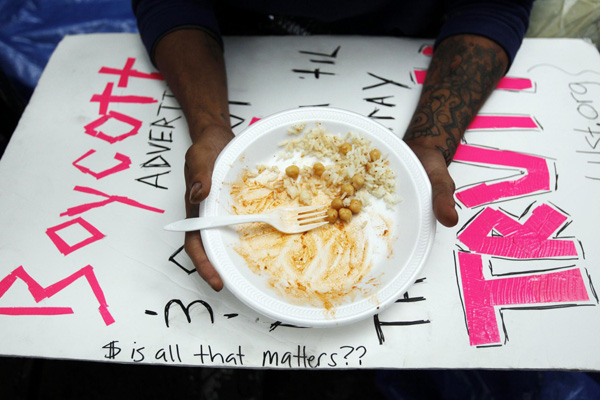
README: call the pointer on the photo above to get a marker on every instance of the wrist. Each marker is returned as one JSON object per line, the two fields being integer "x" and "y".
{"x": 444, "y": 146}
{"x": 210, "y": 127}
{"x": 429, "y": 149}
{"x": 211, "y": 136}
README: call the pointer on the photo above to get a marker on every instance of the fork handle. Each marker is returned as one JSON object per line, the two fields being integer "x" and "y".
{"x": 195, "y": 224}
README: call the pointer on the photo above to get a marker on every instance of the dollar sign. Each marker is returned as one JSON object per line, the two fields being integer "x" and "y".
{"x": 113, "y": 350}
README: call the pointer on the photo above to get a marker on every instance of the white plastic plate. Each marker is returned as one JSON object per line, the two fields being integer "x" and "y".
{"x": 413, "y": 220}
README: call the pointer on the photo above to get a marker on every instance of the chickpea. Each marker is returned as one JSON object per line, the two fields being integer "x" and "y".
{"x": 292, "y": 171}
{"x": 318, "y": 168}
{"x": 345, "y": 148}
{"x": 358, "y": 181}
{"x": 345, "y": 214}
{"x": 375, "y": 155}
{"x": 337, "y": 203}
{"x": 332, "y": 215}
{"x": 368, "y": 167}
{"x": 355, "y": 206}
{"x": 348, "y": 190}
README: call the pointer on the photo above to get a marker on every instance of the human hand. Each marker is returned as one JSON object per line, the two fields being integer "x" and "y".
{"x": 442, "y": 184}
{"x": 463, "y": 72}
{"x": 199, "y": 164}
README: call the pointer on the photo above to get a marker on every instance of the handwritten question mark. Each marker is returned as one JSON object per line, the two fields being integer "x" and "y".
{"x": 362, "y": 355}
{"x": 350, "y": 352}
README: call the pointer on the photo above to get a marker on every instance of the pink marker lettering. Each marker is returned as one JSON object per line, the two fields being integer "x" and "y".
{"x": 109, "y": 199}
{"x": 35, "y": 310}
{"x": 482, "y": 296}
{"x": 420, "y": 75}
{"x": 492, "y": 122}
{"x": 92, "y": 127}
{"x": 427, "y": 50}
{"x": 124, "y": 163}
{"x": 529, "y": 240}
{"x": 106, "y": 98}
{"x": 66, "y": 248}
{"x": 40, "y": 293}
{"x": 536, "y": 179}
{"x": 128, "y": 72}
{"x": 506, "y": 83}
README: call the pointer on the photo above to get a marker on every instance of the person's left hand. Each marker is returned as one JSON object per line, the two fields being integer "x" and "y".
{"x": 463, "y": 72}
{"x": 442, "y": 184}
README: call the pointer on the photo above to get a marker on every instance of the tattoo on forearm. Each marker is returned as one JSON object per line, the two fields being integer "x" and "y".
{"x": 462, "y": 74}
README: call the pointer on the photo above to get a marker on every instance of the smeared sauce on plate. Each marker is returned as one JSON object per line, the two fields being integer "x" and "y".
{"x": 324, "y": 267}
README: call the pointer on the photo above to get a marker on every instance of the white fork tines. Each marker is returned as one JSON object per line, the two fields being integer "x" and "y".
{"x": 288, "y": 220}
{"x": 302, "y": 219}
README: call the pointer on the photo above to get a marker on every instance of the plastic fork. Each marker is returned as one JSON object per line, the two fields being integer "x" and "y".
{"x": 287, "y": 220}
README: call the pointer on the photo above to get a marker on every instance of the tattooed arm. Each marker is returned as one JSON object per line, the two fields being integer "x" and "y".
{"x": 463, "y": 72}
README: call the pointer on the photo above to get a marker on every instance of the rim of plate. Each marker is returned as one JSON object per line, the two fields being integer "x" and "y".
{"x": 307, "y": 315}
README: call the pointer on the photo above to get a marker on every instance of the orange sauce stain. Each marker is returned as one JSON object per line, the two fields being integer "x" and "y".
{"x": 323, "y": 267}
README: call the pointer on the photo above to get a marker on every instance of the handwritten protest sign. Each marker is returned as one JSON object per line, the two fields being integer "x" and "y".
{"x": 95, "y": 170}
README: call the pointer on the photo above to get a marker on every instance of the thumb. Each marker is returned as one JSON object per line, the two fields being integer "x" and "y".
{"x": 442, "y": 184}
{"x": 444, "y": 206}
{"x": 198, "y": 174}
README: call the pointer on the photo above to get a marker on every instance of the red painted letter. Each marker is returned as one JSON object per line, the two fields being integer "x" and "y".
{"x": 529, "y": 240}
{"x": 124, "y": 163}
{"x": 91, "y": 128}
{"x": 482, "y": 296}
{"x": 40, "y": 293}
{"x": 536, "y": 179}
{"x": 107, "y": 97}
{"x": 109, "y": 199}
{"x": 66, "y": 248}
{"x": 128, "y": 72}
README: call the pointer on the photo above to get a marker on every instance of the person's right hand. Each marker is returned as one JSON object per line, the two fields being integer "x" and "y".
{"x": 191, "y": 61}
{"x": 199, "y": 164}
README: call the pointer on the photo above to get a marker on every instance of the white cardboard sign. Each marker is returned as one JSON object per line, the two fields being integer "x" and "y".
{"x": 94, "y": 171}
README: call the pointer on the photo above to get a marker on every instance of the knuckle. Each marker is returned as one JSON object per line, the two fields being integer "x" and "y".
{"x": 190, "y": 155}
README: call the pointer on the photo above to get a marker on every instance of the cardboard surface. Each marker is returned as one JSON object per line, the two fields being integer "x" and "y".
{"x": 94, "y": 171}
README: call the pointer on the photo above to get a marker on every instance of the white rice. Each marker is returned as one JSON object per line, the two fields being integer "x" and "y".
{"x": 380, "y": 179}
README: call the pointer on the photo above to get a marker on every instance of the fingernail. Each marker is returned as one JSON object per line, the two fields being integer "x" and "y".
{"x": 216, "y": 283}
{"x": 195, "y": 192}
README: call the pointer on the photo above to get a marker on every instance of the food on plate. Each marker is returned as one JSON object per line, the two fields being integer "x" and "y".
{"x": 292, "y": 171}
{"x": 318, "y": 169}
{"x": 375, "y": 155}
{"x": 355, "y": 206}
{"x": 328, "y": 265}
{"x": 347, "y": 190}
{"x": 358, "y": 181}
{"x": 332, "y": 215}
{"x": 345, "y": 148}
{"x": 337, "y": 203}
{"x": 345, "y": 214}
